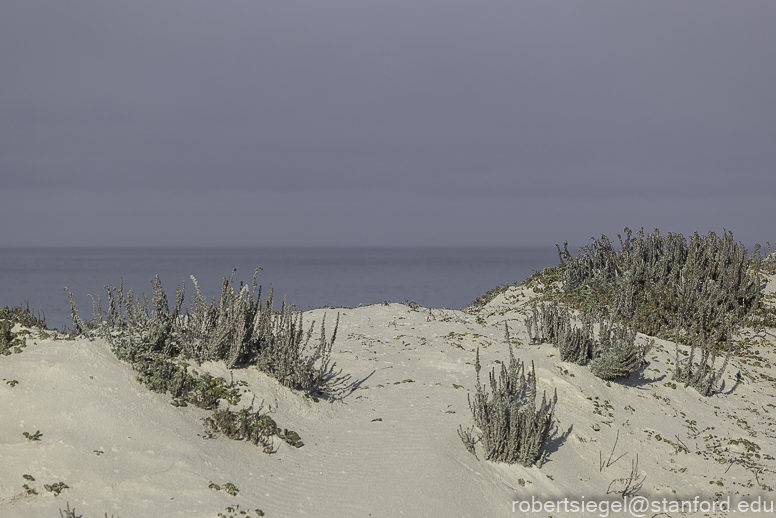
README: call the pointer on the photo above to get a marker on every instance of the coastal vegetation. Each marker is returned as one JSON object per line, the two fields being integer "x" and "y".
{"x": 591, "y": 306}
{"x": 694, "y": 292}
{"x": 70, "y": 513}
{"x": 14, "y": 341}
{"x": 159, "y": 339}
{"x": 237, "y": 328}
{"x": 610, "y": 309}
{"x": 513, "y": 428}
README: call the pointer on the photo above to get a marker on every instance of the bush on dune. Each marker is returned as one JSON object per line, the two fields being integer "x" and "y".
{"x": 694, "y": 292}
{"x": 513, "y": 429}
{"x": 708, "y": 278}
{"x": 236, "y": 327}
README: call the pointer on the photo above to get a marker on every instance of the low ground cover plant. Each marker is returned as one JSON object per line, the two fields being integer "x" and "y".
{"x": 9, "y": 341}
{"x": 251, "y": 426}
{"x": 187, "y": 386}
{"x": 24, "y": 316}
{"x": 14, "y": 342}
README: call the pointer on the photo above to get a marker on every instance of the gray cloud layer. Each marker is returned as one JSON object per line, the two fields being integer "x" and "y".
{"x": 402, "y": 122}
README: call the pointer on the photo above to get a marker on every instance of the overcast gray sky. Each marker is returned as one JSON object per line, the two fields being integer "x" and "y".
{"x": 404, "y": 122}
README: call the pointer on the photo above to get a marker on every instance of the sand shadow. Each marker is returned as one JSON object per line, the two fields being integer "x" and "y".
{"x": 338, "y": 386}
{"x": 721, "y": 389}
{"x": 637, "y": 379}
{"x": 554, "y": 442}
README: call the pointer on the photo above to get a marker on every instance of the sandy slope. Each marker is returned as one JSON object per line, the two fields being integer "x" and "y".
{"x": 387, "y": 442}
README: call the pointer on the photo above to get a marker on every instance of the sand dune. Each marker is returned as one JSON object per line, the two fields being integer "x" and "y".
{"x": 386, "y": 442}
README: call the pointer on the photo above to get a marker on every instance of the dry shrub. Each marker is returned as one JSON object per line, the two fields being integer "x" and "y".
{"x": 237, "y": 328}
{"x": 513, "y": 428}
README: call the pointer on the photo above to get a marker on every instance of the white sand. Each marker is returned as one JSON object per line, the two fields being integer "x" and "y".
{"x": 127, "y": 451}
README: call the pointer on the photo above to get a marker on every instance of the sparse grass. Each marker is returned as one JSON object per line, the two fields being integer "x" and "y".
{"x": 27, "y": 489}
{"x": 70, "y": 513}
{"x": 489, "y": 295}
{"x": 630, "y": 485}
{"x": 205, "y": 391}
{"x": 544, "y": 278}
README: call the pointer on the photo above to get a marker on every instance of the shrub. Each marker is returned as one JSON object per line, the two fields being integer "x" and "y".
{"x": 236, "y": 328}
{"x": 769, "y": 263}
{"x": 619, "y": 357}
{"x": 552, "y": 323}
{"x": 513, "y": 429}
{"x": 614, "y": 355}
{"x": 701, "y": 376}
{"x": 665, "y": 286}
{"x": 575, "y": 345}
{"x": 546, "y": 323}
{"x": 706, "y": 277}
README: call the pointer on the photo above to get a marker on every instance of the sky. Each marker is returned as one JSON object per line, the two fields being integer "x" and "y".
{"x": 399, "y": 123}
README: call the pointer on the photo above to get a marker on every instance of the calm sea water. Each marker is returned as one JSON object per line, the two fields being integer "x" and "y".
{"x": 310, "y": 277}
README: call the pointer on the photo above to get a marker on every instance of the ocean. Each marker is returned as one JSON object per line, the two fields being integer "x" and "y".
{"x": 308, "y": 277}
